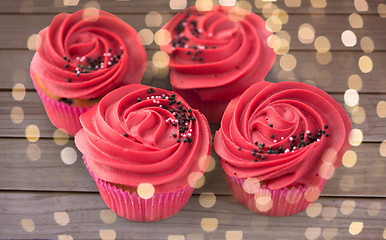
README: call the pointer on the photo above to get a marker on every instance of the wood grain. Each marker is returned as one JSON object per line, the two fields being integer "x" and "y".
{"x": 81, "y": 219}
{"x": 49, "y": 173}
{"x": 19, "y": 28}
{"x": 331, "y": 77}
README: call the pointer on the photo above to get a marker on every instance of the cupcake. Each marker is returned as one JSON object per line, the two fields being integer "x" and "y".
{"x": 279, "y": 143}
{"x": 145, "y": 148}
{"x": 80, "y": 58}
{"x": 215, "y": 55}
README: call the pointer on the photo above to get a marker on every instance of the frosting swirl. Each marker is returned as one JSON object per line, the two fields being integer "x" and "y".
{"x": 138, "y": 134}
{"x": 86, "y": 56}
{"x": 283, "y": 133}
{"x": 217, "y": 53}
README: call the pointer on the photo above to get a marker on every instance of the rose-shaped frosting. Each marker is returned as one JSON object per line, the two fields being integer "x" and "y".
{"x": 217, "y": 53}
{"x": 86, "y": 56}
{"x": 138, "y": 134}
{"x": 283, "y": 133}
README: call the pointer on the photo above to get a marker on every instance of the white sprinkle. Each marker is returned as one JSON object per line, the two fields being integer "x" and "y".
{"x": 184, "y": 24}
{"x": 120, "y": 47}
{"x": 97, "y": 67}
{"x": 308, "y": 131}
{"x": 210, "y": 34}
{"x": 294, "y": 148}
{"x": 160, "y": 106}
{"x": 189, "y": 134}
{"x": 173, "y": 48}
{"x": 152, "y": 97}
{"x": 109, "y": 54}
{"x": 77, "y": 58}
{"x": 287, "y": 151}
{"x": 163, "y": 95}
{"x": 167, "y": 120}
{"x": 166, "y": 98}
{"x": 76, "y": 69}
{"x": 186, "y": 124}
{"x": 186, "y": 46}
{"x": 190, "y": 130}
{"x": 184, "y": 135}
{"x": 176, "y": 121}
{"x": 318, "y": 140}
{"x": 275, "y": 141}
{"x": 157, "y": 102}
{"x": 154, "y": 101}
{"x": 147, "y": 98}
{"x": 104, "y": 54}
{"x": 109, "y": 63}
{"x": 282, "y": 138}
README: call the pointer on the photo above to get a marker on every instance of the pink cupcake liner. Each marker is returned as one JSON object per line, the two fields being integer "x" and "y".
{"x": 131, "y": 206}
{"x": 212, "y": 110}
{"x": 62, "y": 115}
{"x": 280, "y": 202}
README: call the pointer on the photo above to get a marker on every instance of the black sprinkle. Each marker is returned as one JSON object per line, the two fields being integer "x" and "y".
{"x": 64, "y": 57}
{"x": 179, "y": 140}
{"x": 255, "y": 160}
{"x": 77, "y": 74}
{"x": 263, "y": 144}
{"x": 68, "y": 80}
{"x": 327, "y": 135}
{"x": 213, "y": 47}
{"x": 125, "y": 135}
{"x": 174, "y": 135}
{"x": 271, "y": 125}
{"x": 272, "y": 136}
{"x": 239, "y": 148}
{"x": 199, "y": 59}
{"x": 186, "y": 140}
{"x": 256, "y": 143}
{"x": 187, "y": 52}
{"x": 192, "y": 58}
{"x": 262, "y": 157}
{"x": 325, "y": 126}
{"x": 138, "y": 99}
{"x": 66, "y": 65}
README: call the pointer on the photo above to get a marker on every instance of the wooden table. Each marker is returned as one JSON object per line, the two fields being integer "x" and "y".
{"x": 46, "y": 192}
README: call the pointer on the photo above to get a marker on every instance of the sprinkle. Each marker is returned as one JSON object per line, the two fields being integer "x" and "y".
{"x": 68, "y": 80}
{"x": 213, "y": 47}
{"x": 239, "y": 148}
{"x": 125, "y": 135}
{"x": 263, "y": 144}
{"x": 282, "y": 138}
{"x": 187, "y": 52}
{"x": 262, "y": 157}
{"x": 255, "y": 160}
{"x": 66, "y": 65}
{"x": 287, "y": 151}
{"x": 275, "y": 141}
{"x": 174, "y": 135}
{"x": 179, "y": 140}
{"x": 272, "y": 136}
{"x": 290, "y": 139}
{"x": 327, "y": 135}
{"x": 138, "y": 99}
{"x": 64, "y": 57}
{"x": 271, "y": 125}
{"x": 308, "y": 132}
{"x": 199, "y": 59}
{"x": 256, "y": 143}
{"x": 318, "y": 140}
{"x": 325, "y": 126}
{"x": 192, "y": 58}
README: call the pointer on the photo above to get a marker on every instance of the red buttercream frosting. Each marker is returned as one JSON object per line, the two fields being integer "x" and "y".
{"x": 133, "y": 136}
{"x": 86, "y": 56}
{"x": 283, "y": 134}
{"x": 218, "y": 53}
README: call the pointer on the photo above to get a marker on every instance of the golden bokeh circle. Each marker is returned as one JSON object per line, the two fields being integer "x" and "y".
{"x": 207, "y": 200}
{"x": 91, "y": 11}
{"x": 355, "y": 20}
{"x": 27, "y": 224}
{"x": 312, "y": 233}
{"x": 107, "y": 234}
{"x": 356, "y": 137}
{"x": 107, "y": 216}
{"x": 361, "y": 5}
{"x": 329, "y": 233}
{"x": 346, "y": 183}
{"x": 329, "y": 213}
{"x": 367, "y": 44}
{"x": 147, "y": 36}
{"x": 178, "y": 4}
{"x": 62, "y": 218}
{"x": 318, "y": 3}
{"x": 355, "y": 228}
{"x": 312, "y": 194}
{"x": 65, "y": 237}
{"x": 18, "y": 92}
{"x": 281, "y": 14}
{"x": 314, "y": 209}
{"x": 33, "y": 152}
{"x": 268, "y": 9}
{"x": 381, "y": 8}
{"x": 381, "y": 109}
{"x": 347, "y": 207}
{"x": 349, "y": 159}
{"x": 160, "y": 59}
{"x": 204, "y": 5}
{"x": 273, "y": 24}
{"x": 200, "y": 182}
{"x": 17, "y": 115}
{"x": 196, "y": 179}
{"x": 365, "y": 64}
{"x": 355, "y": 82}
{"x": 263, "y": 200}
{"x": 227, "y": 2}
{"x": 33, "y": 42}
{"x": 251, "y": 185}
{"x": 68, "y": 155}
{"x": 233, "y": 235}
{"x": 322, "y": 44}
{"x": 60, "y": 137}
{"x": 153, "y": 19}
{"x": 162, "y": 37}
{"x": 212, "y": 164}
{"x": 306, "y": 33}
{"x": 145, "y": 190}
{"x": 69, "y": 3}
{"x": 382, "y": 148}
{"x": 209, "y": 224}
{"x": 292, "y": 3}
{"x": 358, "y": 115}
{"x": 32, "y": 133}
{"x": 176, "y": 237}
{"x": 374, "y": 209}
{"x": 323, "y": 58}
{"x": 288, "y": 62}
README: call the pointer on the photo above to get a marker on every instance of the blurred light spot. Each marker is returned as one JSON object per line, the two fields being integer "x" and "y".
{"x": 33, "y": 152}
{"x": 356, "y": 137}
{"x": 212, "y": 164}
{"x": 382, "y": 10}
{"x": 323, "y": 78}
{"x": 314, "y": 209}
{"x": 355, "y": 20}
{"x": 107, "y": 216}
{"x": 374, "y": 209}
{"x": 358, "y": 115}
{"x": 382, "y": 148}
{"x": 177, "y": 4}
{"x": 351, "y": 97}
{"x": 200, "y": 182}
{"x": 68, "y": 155}
{"x": 26, "y": 6}
{"x": 70, "y": 2}
{"x": 27, "y": 224}
{"x": 324, "y": 58}
{"x": 329, "y": 233}
{"x": 327, "y": 169}
{"x": 162, "y": 37}
{"x": 160, "y": 59}
{"x": 147, "y": 36}
{"x": 361, "y": 5}
{"x": 251, "y": 185}
{"x": 65, "y": 237}
{"x": 17, "y": 115}
{"x": 194, "y": 236}
{"x": 107, "y": 234}
{"x": 91, "y": 11}
{"x": 346, "y": 183}
{"x": 306, "y": 33}
{"x": 318, "y": 3}
{"x": 349, "y": 38}
{"x": 367, "y": 44}
{"x": 355, "y": 82}
{"x": 61, "y": 218}
{"x": 288, "y": 62}
{"x": 233, "y": 235}
{"x": 284, "y": 35}
{"x": 355, "y": 228}
{"x": 227, "y": 2}
{"x": 293, "y": 197}
{"x": 193, "y": 178}
{"x": 260, "y": 3}
{"x": 292, "y": 3}
{"x": 384, "y": 233}
{"x": 204, "y": 5}
{"x": 263, "y": 200}
{"x": 60, "y": 137}
{"x": 153, "y": 19}
{"x": 145, "y": 190}
{"x": 312, "y": 233}
{"x": 160, "y": 73}
{"x": 244, "y": 5}
{"x": 281, "y": 14}
{"x": 381, "y": 109}
{"x": 273, "y": 24}
{"x": 377, "y": 168}
{"x": 329, "y": 213}
{"x": 349, "y": 159}
{"x": 268, "y": 9}
{"x": 32, "y": 133}
{"x": 207, "y": 200}
{"x": 176, "y": 237}
{"x": 310, "y": 82}
{"x": 33, "y": 42}
{"x": 279, "y": 45}
{"x": 322, "y": 44}
{"x": 18, "y": 92}
{"x": 209, "y": 224}
{"x": 347, "y": 207}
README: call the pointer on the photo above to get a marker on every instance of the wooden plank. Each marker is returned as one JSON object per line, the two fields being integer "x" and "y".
{"x": 34, "y": 113}
{"x": 18, "y": 28}
{"x": 330, "y": 76}
{"x": 84, "y": 216}
{"x": 128, "y": 6}
{"x": 39, "y": 166}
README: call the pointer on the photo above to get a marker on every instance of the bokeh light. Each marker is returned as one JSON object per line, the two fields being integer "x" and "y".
{"x": 153, "y": 19}
{"x": 27, "y": 224}
{"x": 209, "y": 224}
{"x": 292, "y": 3}
{"x": 356, "y": 137}
{"x": 367, "y": 44}
{"x": 107, "y": 216}
{"x": 33, "y": 152}
{"x": 349, "y": 38}
{"x": 62, "y": 218}
{"x": 233, "y": 235}
{"x": 32, "y": 133}
{"x": 365, "y": 64}
{"x": 17, "y": 115}
{"x": 145, "y": 190}
{"x": 381, "y": 8}
{"x": 351, "y": 97}
{"x": 107, "y": 234}
{"x": 18, "y": 92}
{"x": 361, "y": 5}
{"x": 347, "y": 207}
{"x": 355, "y": 82}
{"x": 355, "y": 20}
{"x": 147, "y": 36}
{"x": 346, "y": 183}
{"x": 314, "y": 209}
{"x": 355, "y": 228}
{"x": 306, "y": 33}
{"x": 318, "y": 3}
{"x": 322, "y": 44}
{"x": 382, "y": 148}
{"x": 68, "y": 3}
{"x": 288, "y": 62}
{"x": 329, "y": 233}
{"x": 312, "y": 233}
{"x": 177, "y": 4}
{"x": 207, "y": 200}
{"x": 68, "y": 155}
{"x": 381, "y": 109}
{"x": 329, "y": 213}
{"x": 374, "y": 209}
